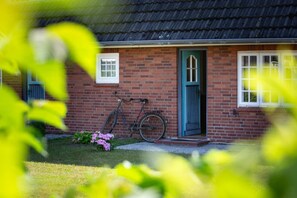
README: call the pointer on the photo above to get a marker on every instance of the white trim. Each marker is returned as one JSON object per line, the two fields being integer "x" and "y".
{"x": 259, "y": 55}
{"x": 107, "y": 80}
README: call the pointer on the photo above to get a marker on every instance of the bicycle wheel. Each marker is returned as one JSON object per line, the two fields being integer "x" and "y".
{"x": 152, "y": 127}
{"x": 110, "y": 123}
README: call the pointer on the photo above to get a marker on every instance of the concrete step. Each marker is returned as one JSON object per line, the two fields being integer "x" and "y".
{"x": 184, "y": 141}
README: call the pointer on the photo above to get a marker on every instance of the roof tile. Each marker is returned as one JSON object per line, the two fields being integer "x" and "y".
{"x": 137, "y": 20}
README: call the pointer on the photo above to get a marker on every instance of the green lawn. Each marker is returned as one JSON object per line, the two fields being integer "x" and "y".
{"x": 70, "y": 164}
{"x": 55, "y": 179}
{"x": 63, "y": 151}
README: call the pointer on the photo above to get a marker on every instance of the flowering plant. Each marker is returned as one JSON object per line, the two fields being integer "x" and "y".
{"x": 102, "y": 141}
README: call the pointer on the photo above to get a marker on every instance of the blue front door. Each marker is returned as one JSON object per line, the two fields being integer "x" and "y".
{"x": 191, "y": 122}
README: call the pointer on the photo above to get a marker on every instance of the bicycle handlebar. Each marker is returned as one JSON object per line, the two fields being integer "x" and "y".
{"x": 142, "y": 100}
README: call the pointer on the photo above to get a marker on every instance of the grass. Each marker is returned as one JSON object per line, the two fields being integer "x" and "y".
{"x": 63, "y": 151}
{"x": 70, "y": 164}
{"x": 55, "y": 179}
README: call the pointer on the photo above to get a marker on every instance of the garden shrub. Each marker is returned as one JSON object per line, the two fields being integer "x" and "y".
{"x": 82, "y": 137}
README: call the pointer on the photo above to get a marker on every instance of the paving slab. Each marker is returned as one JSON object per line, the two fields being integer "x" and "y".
{"x": 56, "y": 136}
{"x": 145, "y": 146}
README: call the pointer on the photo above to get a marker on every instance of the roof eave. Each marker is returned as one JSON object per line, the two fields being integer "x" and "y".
{"x": 196, "y": 42}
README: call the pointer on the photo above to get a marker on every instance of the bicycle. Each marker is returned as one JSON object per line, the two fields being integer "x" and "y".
{"x": 151, "y": 126}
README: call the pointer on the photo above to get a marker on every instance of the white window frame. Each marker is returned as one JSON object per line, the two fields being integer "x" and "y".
{"x": 239, "y": 81}
{"x": 107, "y": 80}
{"x": 260, "y": 55}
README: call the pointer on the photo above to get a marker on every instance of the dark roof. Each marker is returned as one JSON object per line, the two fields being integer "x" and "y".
{"x": 119, "y": 22}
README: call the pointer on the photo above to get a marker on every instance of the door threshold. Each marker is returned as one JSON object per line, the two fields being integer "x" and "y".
{"x": 191, "y": 138}
{"x": 184, "y": 141}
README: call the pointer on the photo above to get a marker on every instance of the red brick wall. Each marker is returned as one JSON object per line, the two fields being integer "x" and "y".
{"x": 152, "y": 73}
{"x": 223, "y": 126}
{"x": 144, "y": 73}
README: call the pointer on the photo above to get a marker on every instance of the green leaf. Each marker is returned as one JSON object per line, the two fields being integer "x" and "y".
{"x": 10, "y": 66}
{"x": 53, "y": 75}
{"x": 80, "y": 42}
{"x": 50, "y": 112}
{"x": 15, "y": 51}
{"x": 229, "y": 183}
{"x": 12, "y": 110}
{"x": 141, "y": 175}
{"x": 30, "y": 140}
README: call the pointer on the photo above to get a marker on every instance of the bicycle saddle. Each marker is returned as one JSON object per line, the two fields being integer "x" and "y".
{"x": 143, "y": 100}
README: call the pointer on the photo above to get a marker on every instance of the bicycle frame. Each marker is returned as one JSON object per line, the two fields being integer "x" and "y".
{"x": 120, "y": 112}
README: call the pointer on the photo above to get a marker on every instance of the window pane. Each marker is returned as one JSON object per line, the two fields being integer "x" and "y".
{"x": 109, "y": 74}
{"x": 188, "y": 75}
{"x": 253, "y": 61}
{"x": 274, "y": 97}
{"x": 103, "y": 67}
{"x": 266, "y": 71}
{"x": 245, "y": 61}
{"x": 103, "y": 74}
{"x": 245, "y": 73}
{"x": 194, "y": 62}
{"x": 266, "y": 96}
{"x": 194, "y": 75}
{"x": 113, "y": 67}
{"x": 253, "y": 72}
{"x": 245, "y": 97}
{"x": 245, "y": 85}
{"x": 253, "y": 97}
{"x": 189, "y": 62}
{"x": 266, "y": 60}
{"x": 274, "y": 58}
{"x": 113, "y": 74}
{"x": 253, "y": 84}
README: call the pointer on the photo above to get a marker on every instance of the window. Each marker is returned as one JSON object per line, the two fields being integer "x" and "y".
{"x": 249, "y": 93}
{"x": 107, "y": 68}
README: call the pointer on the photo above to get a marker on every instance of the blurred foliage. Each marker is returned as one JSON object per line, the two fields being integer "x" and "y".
{"x": 43, "y": 52}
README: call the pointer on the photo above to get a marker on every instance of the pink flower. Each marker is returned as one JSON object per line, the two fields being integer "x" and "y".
{"x": 102, "y": 139}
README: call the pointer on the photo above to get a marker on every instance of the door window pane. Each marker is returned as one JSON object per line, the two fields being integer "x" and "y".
{"x": 192, "y": 69}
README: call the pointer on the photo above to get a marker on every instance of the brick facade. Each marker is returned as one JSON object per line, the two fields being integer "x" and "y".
{"x": 144, "y": 73}
{"x": 153, "y": 73}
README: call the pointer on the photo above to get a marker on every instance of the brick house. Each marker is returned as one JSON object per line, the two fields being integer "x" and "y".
{"x": 187, "y": 57}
